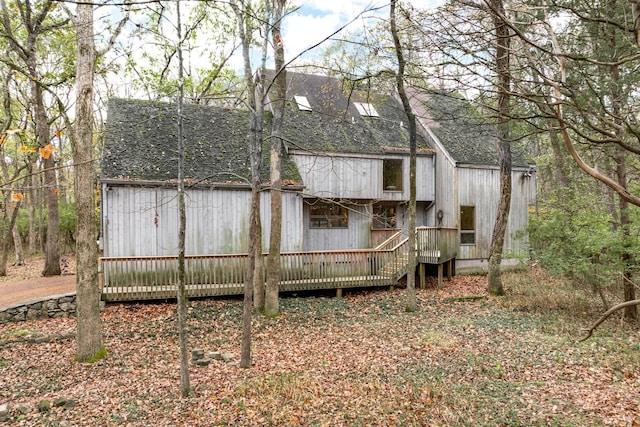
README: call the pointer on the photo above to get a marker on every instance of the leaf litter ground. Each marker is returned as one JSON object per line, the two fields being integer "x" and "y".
{"x": 356, "y": 361}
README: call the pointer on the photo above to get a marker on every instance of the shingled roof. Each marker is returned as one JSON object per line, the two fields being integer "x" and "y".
{"x": 466, "y": 135}
{"x": 141, "y": 144}
{"x": 335, "y": 125}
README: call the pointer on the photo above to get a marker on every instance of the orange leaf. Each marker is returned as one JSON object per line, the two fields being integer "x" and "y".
{"x": 16, "y": 197}
{"x": 45, "y": 152}
{"x": 56, "y": 191}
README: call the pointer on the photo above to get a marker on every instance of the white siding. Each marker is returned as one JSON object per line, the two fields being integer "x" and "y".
{"x": 144, "y": 221}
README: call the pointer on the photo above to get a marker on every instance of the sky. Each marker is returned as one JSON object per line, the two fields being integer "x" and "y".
{"x": 317, "y": 19}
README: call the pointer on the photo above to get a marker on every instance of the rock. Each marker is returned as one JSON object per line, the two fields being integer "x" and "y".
{"x": 205, "y": 361}
{"x": 4, "y": 412}
{"x": 24, "y": 410}
{"x": 70, "y": 404}
{"x": 59, "y": 401}
{"x": 44, "y": 406}
{"x": 227, "y": 357}
{"x": 214, "y": 355}
{"x": 197, "y": 354}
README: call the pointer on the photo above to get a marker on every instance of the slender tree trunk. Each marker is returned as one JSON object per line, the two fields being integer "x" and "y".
{"x": 411, "y": 304}
{"x": 17, "y": 246}
{"x": 89, "y": 341}
{"x": 31, "y": 197}
{"x": 6, "y": 239}
{"x": 275, "y": 239}
{"x": 504, "y": 147}
{"x": 185, "y": 386}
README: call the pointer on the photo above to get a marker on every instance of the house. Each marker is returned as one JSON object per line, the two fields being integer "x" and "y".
{"x": 345, "y": 198}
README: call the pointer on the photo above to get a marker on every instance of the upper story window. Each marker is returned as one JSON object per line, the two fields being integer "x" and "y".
{"x": 366, "y": 109}
{"x": 303, "y": 103}
{"x": 328, "y": 215}
{"x": 392, "y": 175}
{"x": 467, "y": 225}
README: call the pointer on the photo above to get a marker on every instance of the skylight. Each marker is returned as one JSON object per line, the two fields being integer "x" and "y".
{"x": 366, "y": 109}
{"x": 303, "y": 103}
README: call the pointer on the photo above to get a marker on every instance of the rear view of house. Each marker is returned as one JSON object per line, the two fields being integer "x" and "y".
{"x": 346, "y": 171}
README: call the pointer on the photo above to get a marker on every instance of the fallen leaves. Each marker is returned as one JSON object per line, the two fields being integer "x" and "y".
{"x": 359, "y": 360}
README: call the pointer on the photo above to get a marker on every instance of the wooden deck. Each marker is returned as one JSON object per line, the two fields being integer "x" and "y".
{"x": 144, "y": 278}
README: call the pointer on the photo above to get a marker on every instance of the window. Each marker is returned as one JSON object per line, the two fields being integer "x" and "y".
{"x": 303, "y": 103}
{"x": 385, "y": 217}
{"x": 366, "y": 109}
{"x": 467, "y": 225}
{"x": 328, "y": 215}
{"x": 392, "y": 175}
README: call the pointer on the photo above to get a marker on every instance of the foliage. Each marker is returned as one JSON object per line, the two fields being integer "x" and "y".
{"x": 575, "y": 236}
{"x": 67, "y": 222}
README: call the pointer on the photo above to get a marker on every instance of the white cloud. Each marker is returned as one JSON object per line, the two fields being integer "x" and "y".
{"x": 315, "y": 20}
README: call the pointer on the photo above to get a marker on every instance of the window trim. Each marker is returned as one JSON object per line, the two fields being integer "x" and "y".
{"x": 336, "y": 216}
{"x": 468, "y": 231}
{"x": 397, "y": 180}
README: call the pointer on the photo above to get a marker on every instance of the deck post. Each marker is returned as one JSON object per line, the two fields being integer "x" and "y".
{"x": 440, "y": 267}
{"x": 422, "y": 276}
{"x": 450, "y": 269}
{"x": 339, "y": 293}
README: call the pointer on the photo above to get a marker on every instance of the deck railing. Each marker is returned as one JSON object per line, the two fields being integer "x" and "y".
{"x": 155, "y": 277}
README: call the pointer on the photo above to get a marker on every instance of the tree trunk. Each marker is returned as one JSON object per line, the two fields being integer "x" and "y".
{"x": 271, "y": 307}
{"x": 411, "y": 304}
{"x": 89, "y": 340}
{"x": 504, "y": 149}
{"x": 6, "y": 239}
{"x": 17, "y": 246}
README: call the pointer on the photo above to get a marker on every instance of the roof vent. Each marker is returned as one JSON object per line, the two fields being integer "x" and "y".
{"x": 303, "y": 103}
{"x": 366, "y": 109}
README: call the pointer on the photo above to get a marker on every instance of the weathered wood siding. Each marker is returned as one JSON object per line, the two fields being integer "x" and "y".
{"x": 356, "y": 236}
{"x": 360, "y": 177}
{"x": 144, "y": 221}
{"x": 479, "y": 187}
{"x": 446, "y": 191}
{"x": 340, "y": 177}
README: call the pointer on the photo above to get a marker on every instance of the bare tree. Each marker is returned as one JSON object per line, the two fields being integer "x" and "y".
{"x": 275, "y": 239}
{"x": 411, "y": 304}
{"x": 89, "y": 342}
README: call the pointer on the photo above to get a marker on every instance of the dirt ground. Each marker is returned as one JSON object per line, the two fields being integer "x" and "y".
{"x": 25, "y": 282}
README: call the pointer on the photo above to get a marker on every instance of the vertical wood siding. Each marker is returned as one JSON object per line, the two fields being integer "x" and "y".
{"x": 144, "y": 221}
{"x": 340, "y": 177}
{"x": 480, "y": 188}
{"x": 356, "y": 236}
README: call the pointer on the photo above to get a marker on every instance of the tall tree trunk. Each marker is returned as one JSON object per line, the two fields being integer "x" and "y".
{"x": 6, "y": 238}
{"x": 244, "y": 16}
{"x": 411, "y": 303}
{"x": 31, "y": 197}
{"x": 271, "y": 307}
{"x": 503, "y": 71}
{"x": 185, "y": 387}
{"x": 89, "y": 341}
{"x": 18, "y": 252}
